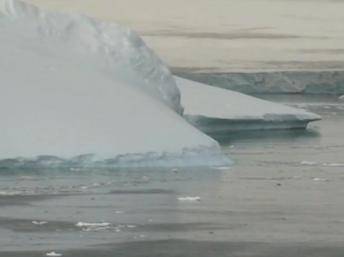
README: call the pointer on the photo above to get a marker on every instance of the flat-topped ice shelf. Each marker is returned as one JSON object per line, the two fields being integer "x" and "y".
{"x": 219, "y": 111}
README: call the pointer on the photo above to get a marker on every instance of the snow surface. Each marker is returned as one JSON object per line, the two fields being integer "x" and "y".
{"x": 203, "y": 101}
{"x": 79, "y": 92}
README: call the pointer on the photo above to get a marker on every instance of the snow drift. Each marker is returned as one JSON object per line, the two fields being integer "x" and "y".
{"x": 80, "y": 92}
{"x": 220, "y": 111}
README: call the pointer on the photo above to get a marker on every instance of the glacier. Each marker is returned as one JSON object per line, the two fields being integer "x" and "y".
{"x": 218, "y": 111}
{"x": 76, "y": 91}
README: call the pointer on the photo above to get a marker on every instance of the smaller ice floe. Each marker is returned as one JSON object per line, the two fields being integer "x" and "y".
{"x": 53, "y": 254}
{"x": 218, "y": 111}
{"x": 341, "y": 98}
{"x": 39, "y": 223}
{"x": 308, "y": 163}
{"x": 189, "y": 199}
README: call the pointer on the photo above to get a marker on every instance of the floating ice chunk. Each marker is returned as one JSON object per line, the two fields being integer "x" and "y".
{"x": 320, "y": 179}
{"x": 308, "y": 163}
{"x": 223, "y": 168}
{"x": 189, "y": 199}
{"x": 10, "y": 193}
{"x": 39, "y": 222}
{"x": 87, "y": 224}
{"x": 341, "y": 98}
{"x": 333, "y": 164}
{"x": 53, "y": 254}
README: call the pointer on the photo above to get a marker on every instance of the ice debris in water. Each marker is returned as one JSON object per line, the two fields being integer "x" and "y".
{"x": 54, "y": 254}
{"x": 320, "y": 179}
{"x": 222, "y": 168}
{"x": 189, "y": 199}
{"x": 87, "y": 224}
{"x": 341, "y": 98}
{"x": 308, "y": 163}
{"x": 39, "y": 222}
{"x": 333, "y": 164}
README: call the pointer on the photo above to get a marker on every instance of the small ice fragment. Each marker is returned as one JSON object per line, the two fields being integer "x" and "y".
{"x": 119, "y": 212}
{"x": 333, "y": 164}
{"x": 308, "y": 163}
{"x": 319, "y": 179}
{"x": 131, "y": 226}
{"x": 189, "y": 198}
{"x": 145, "y": 178}
{"x": 222, "y": 168}
{"x": 87, "y": 224}
{"x": 341, "y": 98}
{"x": 9, "y": 193}
{"x": 39, "y": 222}
{"x": 54, "y": 254}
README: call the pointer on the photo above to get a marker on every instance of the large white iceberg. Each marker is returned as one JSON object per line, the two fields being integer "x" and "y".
{"x": 76, "y": 91}
{"x": 220, "y": 111}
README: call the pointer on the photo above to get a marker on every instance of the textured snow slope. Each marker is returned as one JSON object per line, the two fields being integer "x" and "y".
{"x": 212, "y": 109}
{"x": 117, "y": 50}
{"x": 78, "y": 92}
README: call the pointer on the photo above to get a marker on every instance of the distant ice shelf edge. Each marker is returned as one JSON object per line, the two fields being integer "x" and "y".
{"x": 273, "y": 82}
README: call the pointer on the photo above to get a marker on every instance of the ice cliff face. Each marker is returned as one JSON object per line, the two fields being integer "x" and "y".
{"x": 78, "y": 92}
{"x": 295, "y": 82}
{"x": 118, "y": 49}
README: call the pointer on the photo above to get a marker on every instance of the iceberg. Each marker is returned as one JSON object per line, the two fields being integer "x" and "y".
{"x": 219, "y": 111}
{"x": 80, "y": 92}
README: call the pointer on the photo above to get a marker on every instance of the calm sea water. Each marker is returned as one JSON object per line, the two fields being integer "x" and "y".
{"x": 284, "y": 189}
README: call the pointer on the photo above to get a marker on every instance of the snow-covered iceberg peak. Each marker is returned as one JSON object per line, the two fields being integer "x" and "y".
{"x": 117, "y": 49}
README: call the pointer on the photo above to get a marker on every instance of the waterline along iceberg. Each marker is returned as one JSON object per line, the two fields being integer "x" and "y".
{"x": 80, "y": 92}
